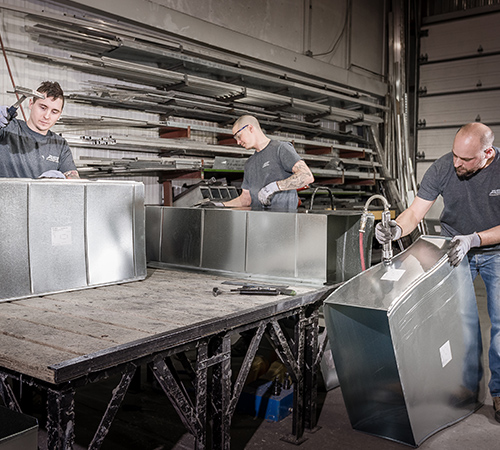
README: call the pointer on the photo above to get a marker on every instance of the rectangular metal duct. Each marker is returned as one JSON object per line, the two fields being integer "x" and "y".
{"x": 316, "y": 247}
{"x": 69, "y": 234}
{"x": 403, "y": 346}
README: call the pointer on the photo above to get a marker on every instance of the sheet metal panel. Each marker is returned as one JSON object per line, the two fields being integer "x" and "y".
{"x": 139, "y": 213}
{"x": 110, "y": 232}
{"x": 181, "y": 236}
{"x": 271, "y": 244}
{"x": 312, "y": 246}
{"x": 14, "y": 268}
{"x": 403, "y": 345}
{"x": 154, "y": 224}
{"x": 344, "y": 259}
{"x": 224, "y": 240}
{"x": 57, "y": 235}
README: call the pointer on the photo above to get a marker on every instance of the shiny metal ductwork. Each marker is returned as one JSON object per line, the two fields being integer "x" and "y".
{"x": 70, "y": 234}
{"x": 404, "y": 347}
{"x": 317, "y": 247}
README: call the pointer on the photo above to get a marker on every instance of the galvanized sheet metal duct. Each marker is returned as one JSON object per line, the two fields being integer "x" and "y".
{"x": 64, "y": 235}
{"x": 403, "y": 346}
{"x": 315, "y": 247}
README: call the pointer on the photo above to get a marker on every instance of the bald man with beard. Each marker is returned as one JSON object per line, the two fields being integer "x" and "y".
{"x": 468, "y": 179}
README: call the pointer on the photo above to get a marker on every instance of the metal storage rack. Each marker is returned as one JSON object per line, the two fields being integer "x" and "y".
{"x": 330, "y": 125}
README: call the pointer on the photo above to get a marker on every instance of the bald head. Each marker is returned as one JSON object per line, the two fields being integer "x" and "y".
{"x": 472, "y": 149}
{"x": 246, "y": 120}
{"x": 249, "y": 134}
{"x": 476, "y": 132}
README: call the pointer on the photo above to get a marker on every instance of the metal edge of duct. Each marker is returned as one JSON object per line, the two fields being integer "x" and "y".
{"x": 404, "y": 347}
{"x": 65, "y": 235}
{"x": 18, "y": 431}
{"x": 312, "y": 248}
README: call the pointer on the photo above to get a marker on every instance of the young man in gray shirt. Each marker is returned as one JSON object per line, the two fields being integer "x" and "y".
{"x": 272, "y": 174}
{"x": 29, "y": 149}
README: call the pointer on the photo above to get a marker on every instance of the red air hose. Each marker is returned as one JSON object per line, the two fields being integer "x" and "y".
{"x": 361, "y": 251}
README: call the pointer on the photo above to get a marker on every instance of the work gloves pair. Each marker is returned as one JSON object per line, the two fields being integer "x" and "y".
{"x": 459, "y": 248}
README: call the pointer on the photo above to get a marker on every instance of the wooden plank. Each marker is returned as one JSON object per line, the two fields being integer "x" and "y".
{"x": 30, "y": 358}
{"x": 48, "y": 336}
{"x": 109, "y": 316}
{"x": 82, "y": 325}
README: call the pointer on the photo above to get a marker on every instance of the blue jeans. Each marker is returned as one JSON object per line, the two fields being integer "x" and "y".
{"x": 488, "y": 266}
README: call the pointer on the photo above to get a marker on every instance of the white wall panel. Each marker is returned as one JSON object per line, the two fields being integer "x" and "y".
{"x": 462, "y": 37}
{"x": 280, "y": 22}
{"x": 436, "y": 142}
{"x": 301, "y": 25}
{"x": 461, "y": 75}
{"x": 460, "y": 109}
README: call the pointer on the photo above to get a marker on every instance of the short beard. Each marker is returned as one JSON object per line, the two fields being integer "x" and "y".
{"x": 467, "y": 175}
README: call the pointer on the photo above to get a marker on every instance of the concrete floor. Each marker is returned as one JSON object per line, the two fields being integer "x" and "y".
{"x": 146, "y": 421}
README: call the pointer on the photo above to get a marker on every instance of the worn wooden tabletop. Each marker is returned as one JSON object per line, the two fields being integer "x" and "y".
{"x": 112, "y": 323}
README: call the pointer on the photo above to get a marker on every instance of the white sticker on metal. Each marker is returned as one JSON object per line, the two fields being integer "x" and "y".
{"x": 445, "y": 352}
{"x": 393, "y": 274}
{"x": 61, "y": 236}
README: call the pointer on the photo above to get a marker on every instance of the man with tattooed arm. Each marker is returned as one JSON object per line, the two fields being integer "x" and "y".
{"x": 272, "y": 174}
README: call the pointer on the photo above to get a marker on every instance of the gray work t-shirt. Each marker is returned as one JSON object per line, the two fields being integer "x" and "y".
{"x": 470, "y": 205}
{"x": 273, "y": 163}
{"x": 27, "y": 154}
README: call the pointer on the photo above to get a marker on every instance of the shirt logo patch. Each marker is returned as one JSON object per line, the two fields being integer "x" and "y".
{"x": 495, "y": 193}
{"x": 53, "y": 159}
{"x": 266, "y": 164}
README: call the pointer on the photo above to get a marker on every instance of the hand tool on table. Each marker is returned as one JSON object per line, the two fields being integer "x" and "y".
{"x": 246, "y": 291}
{"x": 282, "y": 290}
{"x": 24, "y": 93}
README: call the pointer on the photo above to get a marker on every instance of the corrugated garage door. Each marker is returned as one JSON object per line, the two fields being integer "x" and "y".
{"x": 459, "y": 71}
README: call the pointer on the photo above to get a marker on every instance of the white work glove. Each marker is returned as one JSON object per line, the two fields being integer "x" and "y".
{"x": 387, "y": 234}
{"x": 460, "y": 247}
{"x": 3, "y": 116}
{"x": 52, "y": 174}
{"x": 210, "y": 204}
{"x": 266, "y": 193}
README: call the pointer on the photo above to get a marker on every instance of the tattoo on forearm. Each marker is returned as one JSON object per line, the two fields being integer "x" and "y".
{"x": 298, "y": 179}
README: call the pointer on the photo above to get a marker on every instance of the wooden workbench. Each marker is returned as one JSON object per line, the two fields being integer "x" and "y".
{"x": 66, "y": 340}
